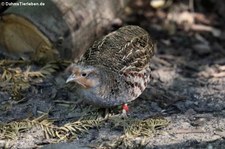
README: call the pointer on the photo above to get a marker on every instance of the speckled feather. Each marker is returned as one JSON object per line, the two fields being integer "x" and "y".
{"x": 128, "y": 48}
{"x": 121, "y": 60}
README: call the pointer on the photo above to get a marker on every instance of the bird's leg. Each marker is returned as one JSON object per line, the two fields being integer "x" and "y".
{"x": 107, "y": 113}
{"x": 125, "y": 109}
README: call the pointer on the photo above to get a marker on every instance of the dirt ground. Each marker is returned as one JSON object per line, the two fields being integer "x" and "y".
{"x": 187, "y": 87}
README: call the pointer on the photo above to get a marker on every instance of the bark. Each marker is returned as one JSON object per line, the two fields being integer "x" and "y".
{"x": 69, "y": 26}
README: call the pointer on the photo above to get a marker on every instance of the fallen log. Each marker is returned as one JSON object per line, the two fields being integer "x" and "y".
{"x": 44, "y": 30}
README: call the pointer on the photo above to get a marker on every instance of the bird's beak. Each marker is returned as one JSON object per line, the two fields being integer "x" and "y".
{"x": 71, "y": 78}
{"x": 75, "y": 79}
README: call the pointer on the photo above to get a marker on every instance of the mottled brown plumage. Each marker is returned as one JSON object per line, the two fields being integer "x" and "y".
{"x": 115, "y": 70}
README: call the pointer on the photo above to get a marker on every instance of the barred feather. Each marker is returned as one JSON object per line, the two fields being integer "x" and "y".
{"x": 127, "y": 49}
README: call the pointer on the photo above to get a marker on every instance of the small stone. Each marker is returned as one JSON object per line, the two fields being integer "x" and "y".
{"x": 209, "y": 146}
{"x": 190, "y": 112}
{"x": 157, "y": 3}
{"x": 202, "y": 49}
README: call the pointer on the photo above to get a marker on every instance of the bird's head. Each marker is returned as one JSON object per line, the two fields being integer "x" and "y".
{"x": 86, "y": 76}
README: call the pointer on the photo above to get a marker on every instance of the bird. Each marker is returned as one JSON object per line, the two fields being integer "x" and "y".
{"x": 115, "y": 69}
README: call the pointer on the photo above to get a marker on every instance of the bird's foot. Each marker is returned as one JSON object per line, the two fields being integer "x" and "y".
{"x": 107, "y": 113}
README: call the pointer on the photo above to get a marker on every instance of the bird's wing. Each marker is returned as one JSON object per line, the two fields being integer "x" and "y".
{"x": 127, "y": 49}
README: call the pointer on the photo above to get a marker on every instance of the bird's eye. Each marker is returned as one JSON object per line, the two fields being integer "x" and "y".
{"x": 84, "y": 74}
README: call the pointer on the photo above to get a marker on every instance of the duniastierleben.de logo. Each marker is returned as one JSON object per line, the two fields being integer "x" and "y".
{"x": 22, "y": 4}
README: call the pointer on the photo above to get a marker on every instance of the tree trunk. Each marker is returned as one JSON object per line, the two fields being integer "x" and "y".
{"x": 70, "y": 26}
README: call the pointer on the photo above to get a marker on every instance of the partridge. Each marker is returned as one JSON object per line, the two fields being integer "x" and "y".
{"x": 115, "y": 70}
